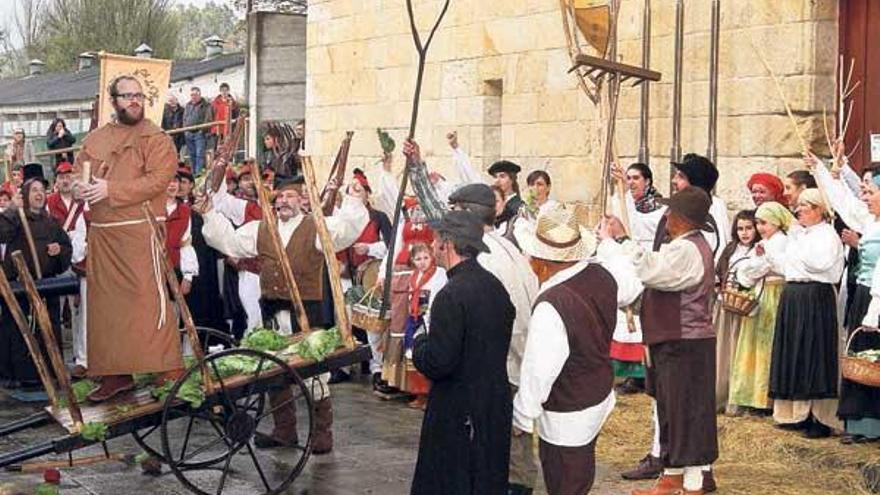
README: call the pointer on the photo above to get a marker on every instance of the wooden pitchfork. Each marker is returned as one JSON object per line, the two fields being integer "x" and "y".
{"x": 422, "y": 50}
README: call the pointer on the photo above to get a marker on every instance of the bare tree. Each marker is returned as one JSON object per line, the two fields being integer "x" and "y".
{"x": 28, "y": 26}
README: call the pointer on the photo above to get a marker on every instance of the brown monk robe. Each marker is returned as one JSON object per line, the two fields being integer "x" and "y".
{"x": 132, "y": 327}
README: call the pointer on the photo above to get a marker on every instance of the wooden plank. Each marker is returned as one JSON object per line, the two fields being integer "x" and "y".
{"x": 615, "y": 67}
{"x": 170, "y": 279}
{"x": 29, "y": 339}
{"x": 52, "y": 348}
{"x": 342, "y": 322}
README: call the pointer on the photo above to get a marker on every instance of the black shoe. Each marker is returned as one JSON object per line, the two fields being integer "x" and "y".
{"x": 338, "y": 376}
{"x": 849, "y": 439}
{"x": 817, "y": 430}
{"x": 264, "y": 441}
{"x": 649, "y": 467}
{"x": 381, "y": 387}
{"x": 516, "y": 489}
{"x": 803, "y": 425}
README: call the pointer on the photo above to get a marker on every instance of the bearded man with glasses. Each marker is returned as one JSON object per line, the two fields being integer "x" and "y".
{"x": 132, "y": 327}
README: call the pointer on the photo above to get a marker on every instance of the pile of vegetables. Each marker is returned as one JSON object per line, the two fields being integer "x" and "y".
{"x": 317, "y": 345}
{"x": 872, "y": 355}
{"x": 355, "y": 297}
{"x": 263, "y": 339}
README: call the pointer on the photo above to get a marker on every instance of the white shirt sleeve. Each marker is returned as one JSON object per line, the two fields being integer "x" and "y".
{"x": 346, "y": 223}
{"x": 377, "y": 250}
{"x": 545, "y": 355}
{"x": 851, "y": 178}
{"x": 229, "y": 206}
{"x": 237, "y": 243}
{"x": 78, "y": 240}
{"x": 677, "y": 266}
{"x": 629, "y": 287}
{"x": 467, "y": 174}
{"x": 851, "y": 209}
{"x": 189, "y": 261}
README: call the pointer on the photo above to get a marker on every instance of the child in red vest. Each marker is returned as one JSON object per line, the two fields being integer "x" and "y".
{"x": 425, "y": 282}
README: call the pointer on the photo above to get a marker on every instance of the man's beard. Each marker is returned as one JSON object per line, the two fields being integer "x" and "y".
{"x": 125, "y": 117}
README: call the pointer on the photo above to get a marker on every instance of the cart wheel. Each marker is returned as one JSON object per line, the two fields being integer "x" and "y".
{"x": 235, "y": 412}
{"x": 147, "y": 438}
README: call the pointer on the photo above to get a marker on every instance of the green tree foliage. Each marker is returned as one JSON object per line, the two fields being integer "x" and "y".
{"x": 117, "y": 26}
{"x": 200, "y": 23}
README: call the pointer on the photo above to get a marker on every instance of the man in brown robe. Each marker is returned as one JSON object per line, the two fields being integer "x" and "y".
{"x": 132, "y": 327}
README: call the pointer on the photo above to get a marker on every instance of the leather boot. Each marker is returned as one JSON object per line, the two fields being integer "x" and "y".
{"x": 322, "y": 441}
{"x": 709, "y": 485}
{"x": 284, "y": 433}
{"x": 649, "y": 467}
{"x": 111, "y": 386}
{"x": 668, "y": 484}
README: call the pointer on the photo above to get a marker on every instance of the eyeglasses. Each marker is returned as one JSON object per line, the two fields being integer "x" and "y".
{"x": 132, "y": 96}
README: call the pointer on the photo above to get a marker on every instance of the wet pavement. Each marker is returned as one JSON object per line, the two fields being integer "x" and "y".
{"x": 375, "y": 450}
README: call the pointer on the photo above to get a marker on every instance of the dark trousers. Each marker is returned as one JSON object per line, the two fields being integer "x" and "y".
{"x": 568, "y": 470}
{"x": 15, "y": 360}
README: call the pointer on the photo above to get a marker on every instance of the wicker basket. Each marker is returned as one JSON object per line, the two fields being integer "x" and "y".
{"x": 860, "y": 370}
{"x": 736, "y": 301}
{"x": 363, "y": 316}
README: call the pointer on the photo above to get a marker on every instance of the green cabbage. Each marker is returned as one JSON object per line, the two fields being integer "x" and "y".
{"x": 190, "y": 391}
{"x": 318, "y": 344}
{"x": 82, "y": 389}
{"x": 94, "y": 431}
{"x": 46, "y": 489}
{"x": 265, "y": 340}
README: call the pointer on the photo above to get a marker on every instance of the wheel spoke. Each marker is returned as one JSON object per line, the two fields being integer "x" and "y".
{"x": 259, "y": 467}
{"x": 253, "y": 383}
{"x": 219, "y": 431}
{"x": 226, "y": 398}
{"x": 279, "y": 406}
{"x": 202, "y": 449}
{"x": 223, "y": 476}
{"x": 186, "y": 436}
{"x": 145, "y": 435}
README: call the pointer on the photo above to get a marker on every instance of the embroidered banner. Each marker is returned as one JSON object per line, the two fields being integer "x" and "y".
{"x": 153, "y": 74}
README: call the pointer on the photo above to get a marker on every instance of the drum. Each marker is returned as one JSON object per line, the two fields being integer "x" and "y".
{"x": 367, "y": 273}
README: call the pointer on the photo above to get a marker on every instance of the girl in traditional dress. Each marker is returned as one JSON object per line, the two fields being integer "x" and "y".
{"x": 804, "y": 367}
{"x": 425, "y": 282}
{"x": 750, "y": 368}
{"x": 727, "y": 323}
{"x": 859, "y": 405}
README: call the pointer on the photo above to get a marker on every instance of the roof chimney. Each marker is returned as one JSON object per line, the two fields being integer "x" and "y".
{"x": 143, "y": 51}
{"x": 86, "y": 60}
{"x": 213, "y": 47}
{"x": 35, "y": 67}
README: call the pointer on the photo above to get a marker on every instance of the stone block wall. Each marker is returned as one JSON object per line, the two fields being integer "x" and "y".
{"x": 497, "y": 73}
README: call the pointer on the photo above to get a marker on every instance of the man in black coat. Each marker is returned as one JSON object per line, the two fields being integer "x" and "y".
{"x": 465, "y": 440}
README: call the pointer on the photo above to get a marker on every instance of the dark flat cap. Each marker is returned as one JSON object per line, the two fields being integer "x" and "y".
{"x": 479, "y": 194}
{"x": 691, "y": 203}
{"x": 463, "y": 227}
{"x": 699, "y": 170}
{"x": 288, "y": 182}
{"x": 504, "y": 166}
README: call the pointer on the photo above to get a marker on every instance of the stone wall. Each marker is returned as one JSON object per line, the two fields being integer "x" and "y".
{"x": 497, "y": 73}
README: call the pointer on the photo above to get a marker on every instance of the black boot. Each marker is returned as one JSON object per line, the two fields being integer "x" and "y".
{"x": 649, "y": 467}
{"x": 338, "y": 376}
{"x": 381, "y": 387}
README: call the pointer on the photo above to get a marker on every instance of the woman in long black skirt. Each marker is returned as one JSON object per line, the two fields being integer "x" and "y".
{"x": 805, "y": 363}
{"x": 859, "y": 404}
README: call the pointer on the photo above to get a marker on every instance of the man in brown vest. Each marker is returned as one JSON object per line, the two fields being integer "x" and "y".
{"x": 678, "y": 330}
{"x": 298, "y": 234}
{"x": 566, "y": 377}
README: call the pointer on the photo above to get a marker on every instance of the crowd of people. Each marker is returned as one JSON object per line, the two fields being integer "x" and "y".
{"x": 510, "y": 316}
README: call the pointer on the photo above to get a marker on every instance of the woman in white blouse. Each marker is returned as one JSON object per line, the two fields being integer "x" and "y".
{"x": 804, "y": 366}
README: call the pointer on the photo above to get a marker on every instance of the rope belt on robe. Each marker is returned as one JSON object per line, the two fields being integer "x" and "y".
{"x": 155, "y": 255}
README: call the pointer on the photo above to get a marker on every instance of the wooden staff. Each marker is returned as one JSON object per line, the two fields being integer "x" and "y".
{"x": 342, "y": 322}
{"x": 30, "y": 339}
{"x": 170, "y": 279}
{"x": 271, "y": 223}
{"x": 42, "y": 316}
{"x": 29, "y": 237}
{"x": 422, "y": 50}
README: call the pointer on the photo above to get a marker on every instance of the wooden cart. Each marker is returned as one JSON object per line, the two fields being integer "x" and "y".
{"x": 201, "y": 445}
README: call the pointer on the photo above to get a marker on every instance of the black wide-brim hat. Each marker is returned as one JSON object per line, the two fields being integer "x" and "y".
{"x": 33, "y": 171}
{"x": 699, "y": 170}
{"x": 504, "y": 166}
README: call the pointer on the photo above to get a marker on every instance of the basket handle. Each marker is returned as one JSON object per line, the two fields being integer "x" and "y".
{"x": 369, "y": 295}
{"x": 856, "y": 331}
{"x": 761, "y": 281}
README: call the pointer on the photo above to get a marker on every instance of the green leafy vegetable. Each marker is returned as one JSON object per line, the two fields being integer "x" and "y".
{"x": 46, "y": 489}
{"x": 142, "y": 380}
{"x": 385, "y": 141}
{"x": 190, "y": 391}
{"x": 318, "y": 344}
{"x": 82, "y": 389}
{"x": 237, "y": 365}
{"x": 94, "y": 431}
{"x": 265, "y": 340}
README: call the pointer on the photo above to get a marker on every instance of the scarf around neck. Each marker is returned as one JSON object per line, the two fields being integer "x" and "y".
{"x": 416, "y": 281}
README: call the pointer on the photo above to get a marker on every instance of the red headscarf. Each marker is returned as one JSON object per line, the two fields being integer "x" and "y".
{"x": 771, "y": 182}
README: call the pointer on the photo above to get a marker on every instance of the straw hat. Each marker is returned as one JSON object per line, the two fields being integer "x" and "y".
{"x": 556, "y": 236}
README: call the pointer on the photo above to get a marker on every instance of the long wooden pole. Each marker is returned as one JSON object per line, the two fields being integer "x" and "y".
{"x": 42, "y": 316}
{"x": 170, "y": 279}
{"x": 342, "y": 321}
{"x": 30, "y": 339}
{"x": 29, "y": 237}
{"x": 271, "y": 222}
